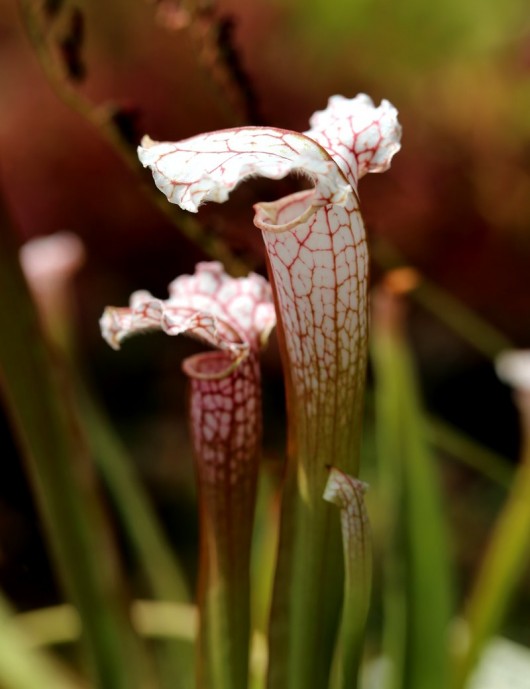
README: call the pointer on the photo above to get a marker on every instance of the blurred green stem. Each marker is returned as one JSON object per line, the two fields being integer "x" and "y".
{"x": 481, "y": 459}
{"x": 43, "y": 411}
{"x": 502, "y": 568}
{"x": 53, "y": 298}
{"x": 264, "y": 547}
{"x": 464, "y": 321}
{"x": 142, "y": 529}
{"x": 417, "y": 577}
{"x": 456, "y": 443}
{"x": 154, "y": 553}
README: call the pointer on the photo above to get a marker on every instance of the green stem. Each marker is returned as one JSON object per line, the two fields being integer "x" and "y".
{"x": 463, "y": 320}
{"x": 417, "y": 575}
{"x": 481, "y": 459}
{"x": 451, "y": 440}
{"x": 501, "y": 571}
{"x": 43, "y": 411}
{"x": 308, "y": 579}
{"x": 224, "y": 607}
{"x": 264, "y": 548}
{"x": 139, "y": 521}
{"x": 153, "y": 551}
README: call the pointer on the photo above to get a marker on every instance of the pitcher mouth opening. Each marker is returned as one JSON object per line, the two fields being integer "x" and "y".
{"x": 213, "y": 365}
{"x": 287, "y": 212}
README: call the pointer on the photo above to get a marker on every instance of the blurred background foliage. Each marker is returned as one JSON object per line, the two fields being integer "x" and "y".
{"x": 455, "y": 206}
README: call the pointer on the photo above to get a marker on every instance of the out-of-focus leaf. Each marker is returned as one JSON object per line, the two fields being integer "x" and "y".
{"x": 21, "y": 667}
{"x": 501, "y": 571}
{"x": 145, "y": 534}
{"x": 417, "y": 572}
{"x": 42, "y": 406}
{"x": 450, "y": 439}
{"x": 455, "y": 314}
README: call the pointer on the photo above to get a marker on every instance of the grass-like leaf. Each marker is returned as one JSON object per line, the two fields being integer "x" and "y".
{"x": 501, "y": 570}
{"x": 417, "y": 573}
{"x": 42, "y": 408}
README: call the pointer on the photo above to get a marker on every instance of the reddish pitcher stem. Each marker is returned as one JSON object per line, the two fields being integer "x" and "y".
{"x": 225, "y": 418}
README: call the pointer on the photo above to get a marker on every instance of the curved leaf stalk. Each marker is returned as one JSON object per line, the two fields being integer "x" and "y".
{"x": 348, "y": 494}
{"x": 417, "y": 574}
{"x": 44, "y": 414}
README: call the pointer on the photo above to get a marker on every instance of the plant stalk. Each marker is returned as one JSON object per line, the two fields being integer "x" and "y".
{"x": 503, "y": 565}
{"x": 43, "y": 410}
